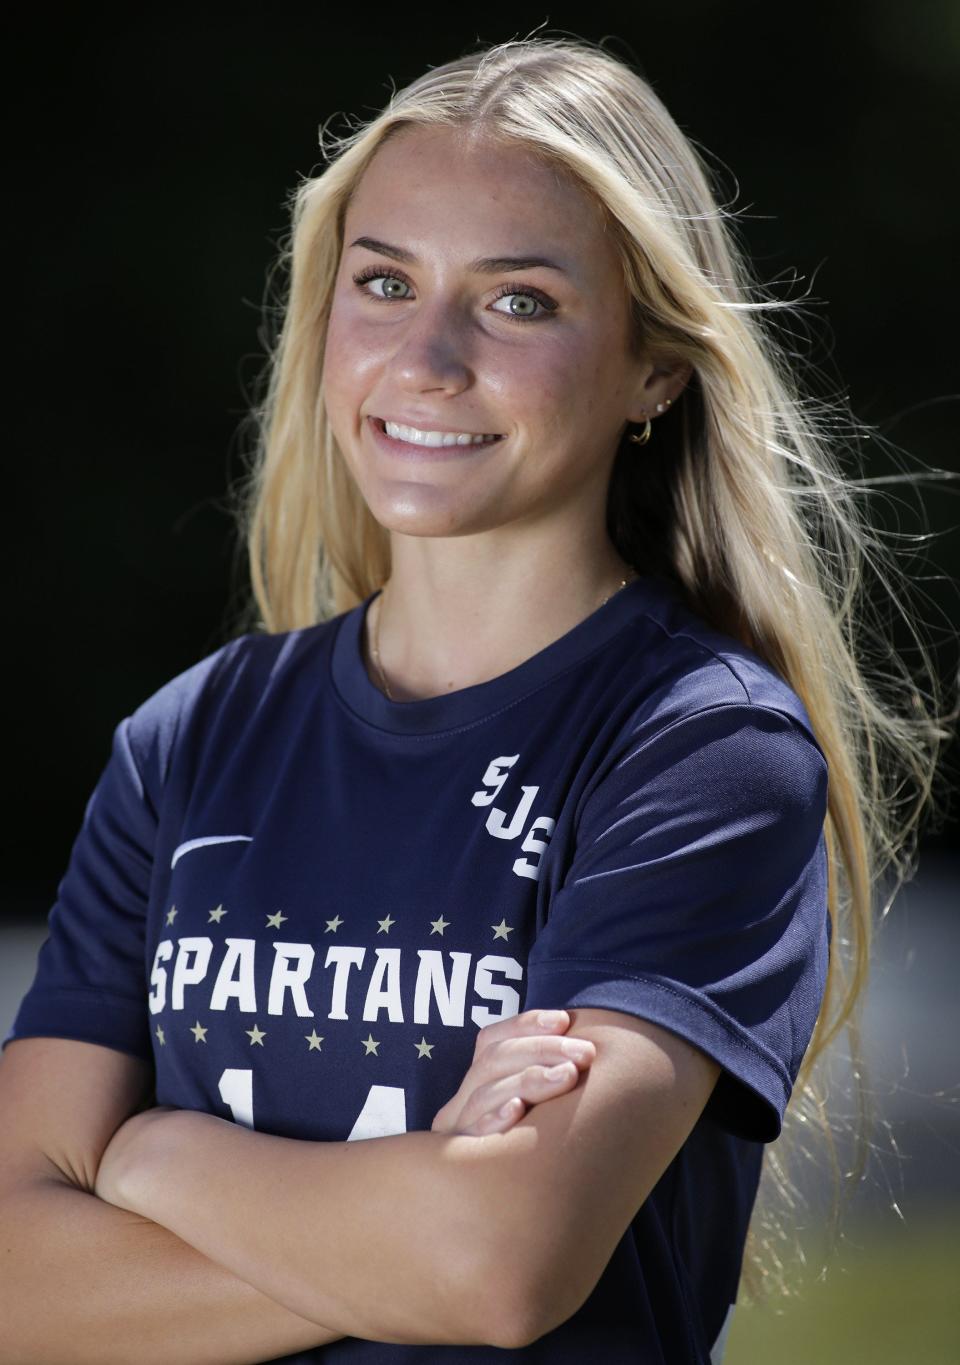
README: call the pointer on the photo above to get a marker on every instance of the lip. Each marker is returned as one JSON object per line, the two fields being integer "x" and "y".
{"x": 409, "y": 451}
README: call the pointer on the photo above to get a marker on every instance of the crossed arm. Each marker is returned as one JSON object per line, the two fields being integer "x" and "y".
{"x": 424, "y": 1237}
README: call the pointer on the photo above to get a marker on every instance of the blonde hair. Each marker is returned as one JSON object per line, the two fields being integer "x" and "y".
{"x": 740, "y": 498}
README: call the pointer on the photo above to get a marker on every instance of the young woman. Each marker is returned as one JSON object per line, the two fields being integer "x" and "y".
{"x": 552, "y": 704}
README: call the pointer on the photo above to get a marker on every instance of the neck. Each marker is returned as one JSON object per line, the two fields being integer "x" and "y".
{"x": 428, "y": 643}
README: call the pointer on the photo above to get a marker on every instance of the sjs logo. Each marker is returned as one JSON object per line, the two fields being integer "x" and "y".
{"x": 504, "y": 826}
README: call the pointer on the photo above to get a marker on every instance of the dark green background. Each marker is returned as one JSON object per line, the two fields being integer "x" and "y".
{"x": 150, "y": 157}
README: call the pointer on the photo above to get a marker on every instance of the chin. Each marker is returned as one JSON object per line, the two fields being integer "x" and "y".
{"x": 419, "y": 510}
{"x": 416, "y": 511}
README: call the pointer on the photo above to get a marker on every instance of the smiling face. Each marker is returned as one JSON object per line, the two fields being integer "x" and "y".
{"x": 433, "y": 328}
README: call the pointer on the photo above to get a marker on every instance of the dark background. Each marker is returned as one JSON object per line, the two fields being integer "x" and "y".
{"x": 150, "y": 158}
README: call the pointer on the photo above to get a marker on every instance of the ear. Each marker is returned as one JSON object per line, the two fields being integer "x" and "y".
{"x": 657, "y": 382}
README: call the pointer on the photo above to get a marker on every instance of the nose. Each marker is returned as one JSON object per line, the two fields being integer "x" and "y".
{"x": 432, "y": 351}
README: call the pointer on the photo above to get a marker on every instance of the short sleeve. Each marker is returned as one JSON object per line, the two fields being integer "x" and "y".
{"x": 90, "y": 978}
{"x": 697, "y": 898}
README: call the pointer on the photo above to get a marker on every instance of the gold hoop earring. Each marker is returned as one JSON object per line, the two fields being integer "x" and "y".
{"x": 643, "y": 437}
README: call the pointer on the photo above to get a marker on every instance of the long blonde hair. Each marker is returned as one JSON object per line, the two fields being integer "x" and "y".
{"x": 740, "y": 498}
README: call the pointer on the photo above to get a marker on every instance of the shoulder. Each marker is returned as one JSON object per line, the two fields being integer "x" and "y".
{"x": 222, "y": 691}
{"x": 692, "y": 673}
{"x": 698, "y": 719}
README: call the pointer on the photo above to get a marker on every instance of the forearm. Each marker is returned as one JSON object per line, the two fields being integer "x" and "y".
{"x": 378, "y": 1238}
{"x": 84, "y": 1282}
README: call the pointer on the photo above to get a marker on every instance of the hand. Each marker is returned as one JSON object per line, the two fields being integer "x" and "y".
{"x": 118, "y": 1164}
{"x": 510, "y": 1066}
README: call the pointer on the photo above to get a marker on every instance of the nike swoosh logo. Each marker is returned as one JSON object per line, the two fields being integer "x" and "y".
{"x": 191, "y": 844}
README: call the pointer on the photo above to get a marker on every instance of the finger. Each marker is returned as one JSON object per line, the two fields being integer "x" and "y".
{"x": 513, "y": 1054}
{"x": 498, "y": 1069}
{"x": 523, "y": 1024}
{"x": 497, "y": 1120}
{"x": 530, "y": 1086}
{"x": 536, "y": 1084}
{"x": 502, "y": 1064}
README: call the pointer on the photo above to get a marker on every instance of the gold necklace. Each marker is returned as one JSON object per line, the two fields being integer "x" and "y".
{"x": 385, "y": 686}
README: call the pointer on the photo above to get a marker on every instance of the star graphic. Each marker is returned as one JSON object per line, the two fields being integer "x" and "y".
{"x": 255, "y": 1035}
{"x": 370, "y": 1045}
{"x": 424, "y": 1048}
{"x": 501, "y": 930}
{"x": 313, "y": 1040}
{"x": 276, "y": 920}
{"x": 437, "y": 926}
{"x": 217, "y": 915}
{"x": 160, "y": 1036}
{"x": 171, "y": 914}
{"x": 199, "y": 1033}
{"x": 385, "y": 925}
{"x": 333, "y": 924}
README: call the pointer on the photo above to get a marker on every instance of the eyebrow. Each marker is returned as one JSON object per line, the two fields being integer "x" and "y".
{"x": 483, "y": 265}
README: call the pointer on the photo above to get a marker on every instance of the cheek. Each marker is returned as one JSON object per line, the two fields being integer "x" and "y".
{"x": 336, "y": 345}
{"x": 538, "y": 379}
{"x": 591, "y": 373}
{"x": 556, "y": 384}
{"x": 349, "y": 357}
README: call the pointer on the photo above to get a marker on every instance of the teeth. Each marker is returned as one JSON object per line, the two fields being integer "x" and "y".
{"x": 435, "y": 438}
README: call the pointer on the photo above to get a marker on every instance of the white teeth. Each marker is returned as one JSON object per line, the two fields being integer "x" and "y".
{"x": 435, "y": 438}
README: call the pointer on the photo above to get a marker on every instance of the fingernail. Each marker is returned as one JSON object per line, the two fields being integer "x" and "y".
{"x": 557, "y": 1073}
{"x": 506, "y": 1109}
{"x": 576, "y": 1049}
{"x": 551, "y": 1018}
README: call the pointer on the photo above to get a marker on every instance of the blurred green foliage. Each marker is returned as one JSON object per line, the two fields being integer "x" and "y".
{"x": 887, "y": 1296}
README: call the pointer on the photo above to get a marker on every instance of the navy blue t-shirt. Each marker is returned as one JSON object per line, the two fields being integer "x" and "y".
{"x": 300, "y": 900}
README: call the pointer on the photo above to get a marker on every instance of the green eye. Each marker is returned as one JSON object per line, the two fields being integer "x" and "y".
{"x": 525, "y": 303}
{"x": 392, "y": 282}
{"x": 521, "y": 306}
